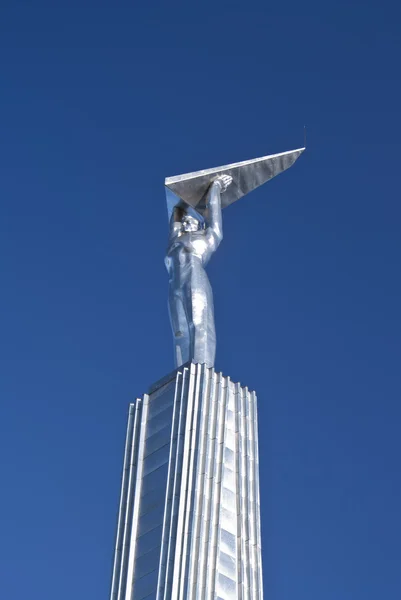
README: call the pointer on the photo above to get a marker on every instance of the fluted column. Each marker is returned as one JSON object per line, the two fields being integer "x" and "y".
{"x": 189, "y": 518}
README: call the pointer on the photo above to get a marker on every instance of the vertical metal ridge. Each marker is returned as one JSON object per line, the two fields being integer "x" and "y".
{"x": 122, "y": 506}
{"x": 257, "y": 548}
{"x": 244, "y": 507}
{"x": 222, "y": 402}
{"x": 198, "y": 479}
{"x": 211, "y": 406}
{"x": 137, "y": 493}
{"x": 193, "y": 461}
{"x": 238, "y": 486}
{"x": 201, "y": 534}
{"x": 245, "y": 496}
{"x": 187, "y": 512}
{"x": 173, "y": 542}
{"x": 226, "y": 562}
{"x": 209, "y": 570}
{"x": 252, "y": 496}
{"x": 187, "y": 493}
{"x": 241, "y": 478}
{"x": 123, "y": 521}
{"x": 177, "y": 588}
{"x": 167, "y": 547}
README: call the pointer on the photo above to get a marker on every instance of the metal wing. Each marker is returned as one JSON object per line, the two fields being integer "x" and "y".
{"x": 191, "y": 188}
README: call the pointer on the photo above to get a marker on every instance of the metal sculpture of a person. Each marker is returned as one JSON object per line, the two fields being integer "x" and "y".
{"x": 190, "y": 294}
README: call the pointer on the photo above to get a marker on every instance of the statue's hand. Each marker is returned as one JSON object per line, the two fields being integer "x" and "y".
{"x": 223, "y": 181}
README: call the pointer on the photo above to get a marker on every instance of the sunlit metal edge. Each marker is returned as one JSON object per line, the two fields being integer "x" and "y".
{"x": 177, "y": 178}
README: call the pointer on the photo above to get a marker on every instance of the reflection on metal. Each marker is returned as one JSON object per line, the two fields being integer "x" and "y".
{"x": 190, "y": 294}
{"x": 194, "y": 204}
{"x": 189, "y": 518}
{"x": 191, "y": 188}
{"x": 189, "y": 524}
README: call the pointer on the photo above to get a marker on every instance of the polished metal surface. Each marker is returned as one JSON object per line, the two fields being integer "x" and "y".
{"x": 190, "y": 295}
{"x": 195, "y": 203}
{"x": 191, "y": 188}
{"x": 189, "y": 519}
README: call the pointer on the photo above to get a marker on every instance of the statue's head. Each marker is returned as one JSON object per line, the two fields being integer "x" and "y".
{"x": 189, "y": 223}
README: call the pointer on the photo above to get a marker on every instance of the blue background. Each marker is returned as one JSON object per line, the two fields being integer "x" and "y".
{"x": 99, "y": 101}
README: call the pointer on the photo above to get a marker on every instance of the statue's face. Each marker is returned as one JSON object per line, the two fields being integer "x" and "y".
{"x": 189, "y": 223}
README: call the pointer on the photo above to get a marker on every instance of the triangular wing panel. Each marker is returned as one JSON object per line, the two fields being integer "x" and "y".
{"x": 247, "y": 176}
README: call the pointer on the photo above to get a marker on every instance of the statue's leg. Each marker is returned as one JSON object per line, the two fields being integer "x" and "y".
{"x": 198, "y": 305}
{"x": 179, "y": 325}
{"x": 205, "y": 334}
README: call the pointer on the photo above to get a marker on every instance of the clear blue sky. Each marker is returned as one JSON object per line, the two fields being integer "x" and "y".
{"x": 99, "y": 101}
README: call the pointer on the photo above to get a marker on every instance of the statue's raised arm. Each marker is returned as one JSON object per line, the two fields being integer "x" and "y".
{"x": 214, "y": 230}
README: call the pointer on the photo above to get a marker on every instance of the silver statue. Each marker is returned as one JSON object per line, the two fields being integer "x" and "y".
{"x": 191, "y": 245}
{"x": 190, "y": 248}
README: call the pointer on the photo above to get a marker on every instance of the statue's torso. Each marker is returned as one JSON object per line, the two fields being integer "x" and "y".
{"x": 186, "y": 253}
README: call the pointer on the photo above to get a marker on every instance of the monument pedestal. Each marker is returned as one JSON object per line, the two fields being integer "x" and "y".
{"x": 189, "y": 518}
